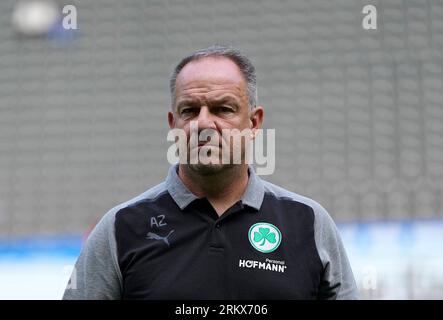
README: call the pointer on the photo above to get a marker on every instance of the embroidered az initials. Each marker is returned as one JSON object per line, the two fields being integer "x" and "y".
{"x": 158, "y": 221}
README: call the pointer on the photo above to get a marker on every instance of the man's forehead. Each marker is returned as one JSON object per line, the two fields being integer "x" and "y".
{"x": 203, "y": 91}
{"x": 215, "y": 72}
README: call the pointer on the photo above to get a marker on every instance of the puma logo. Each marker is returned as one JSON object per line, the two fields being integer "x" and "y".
{"x": 154, "y": 236}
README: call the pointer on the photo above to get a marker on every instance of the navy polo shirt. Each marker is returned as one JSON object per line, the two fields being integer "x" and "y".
{"x": 169, "y": 244}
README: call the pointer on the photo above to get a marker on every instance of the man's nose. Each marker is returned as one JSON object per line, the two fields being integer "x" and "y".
{"x": 206, "y": 119}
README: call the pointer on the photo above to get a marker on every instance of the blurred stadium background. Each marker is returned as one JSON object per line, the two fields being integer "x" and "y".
{"x": 358, "y": 117}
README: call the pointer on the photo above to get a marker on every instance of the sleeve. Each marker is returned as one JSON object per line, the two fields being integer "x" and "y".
{"x": 96, "y": 275}
{"x": 337, "y": 280}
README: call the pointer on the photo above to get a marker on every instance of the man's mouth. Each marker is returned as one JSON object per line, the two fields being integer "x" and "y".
{"x": 207, "y": 144}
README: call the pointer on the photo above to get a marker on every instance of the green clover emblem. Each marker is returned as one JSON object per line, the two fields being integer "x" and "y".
{"x": 264, "y": 235}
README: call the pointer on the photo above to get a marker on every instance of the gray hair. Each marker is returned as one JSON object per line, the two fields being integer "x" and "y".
{"x": 244, "y": 64}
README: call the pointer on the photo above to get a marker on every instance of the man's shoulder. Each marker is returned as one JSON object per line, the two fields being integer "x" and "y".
{"x": 149, "y": 195}
{"x": 284, "y": 194}
{"x": 324, "y": 226}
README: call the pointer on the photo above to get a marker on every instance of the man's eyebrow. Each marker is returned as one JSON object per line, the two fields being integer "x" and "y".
{"x": 190, "y": 102}
{"x": 226, "y": 98}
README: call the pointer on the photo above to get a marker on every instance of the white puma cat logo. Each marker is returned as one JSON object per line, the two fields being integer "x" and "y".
{"x": 154, "y": 236}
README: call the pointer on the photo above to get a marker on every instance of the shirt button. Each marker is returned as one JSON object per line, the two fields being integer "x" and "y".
{"x": 217, "y": 225}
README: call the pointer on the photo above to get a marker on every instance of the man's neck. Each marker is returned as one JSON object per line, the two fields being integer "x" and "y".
{"x": 222, "y": 189}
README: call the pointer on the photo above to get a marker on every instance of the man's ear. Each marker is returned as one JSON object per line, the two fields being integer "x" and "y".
{"x": 171, "y": 120}
{"x": 256, "y": 118}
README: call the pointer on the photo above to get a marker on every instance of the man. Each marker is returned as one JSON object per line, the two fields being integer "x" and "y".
{"x": 214, "y": 230}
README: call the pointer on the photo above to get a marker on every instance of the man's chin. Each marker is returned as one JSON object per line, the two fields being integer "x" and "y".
{"x": 209, "y": 169}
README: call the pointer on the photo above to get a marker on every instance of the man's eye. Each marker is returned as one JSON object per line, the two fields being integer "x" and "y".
{"x": 225, "y": 109}
{"x": 188, "y": 111}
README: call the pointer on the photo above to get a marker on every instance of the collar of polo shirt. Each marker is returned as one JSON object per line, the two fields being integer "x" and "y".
{"x": 253, "y": 196}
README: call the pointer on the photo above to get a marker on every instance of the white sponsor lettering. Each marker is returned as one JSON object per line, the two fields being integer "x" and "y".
{"x": 271, "y": 265}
